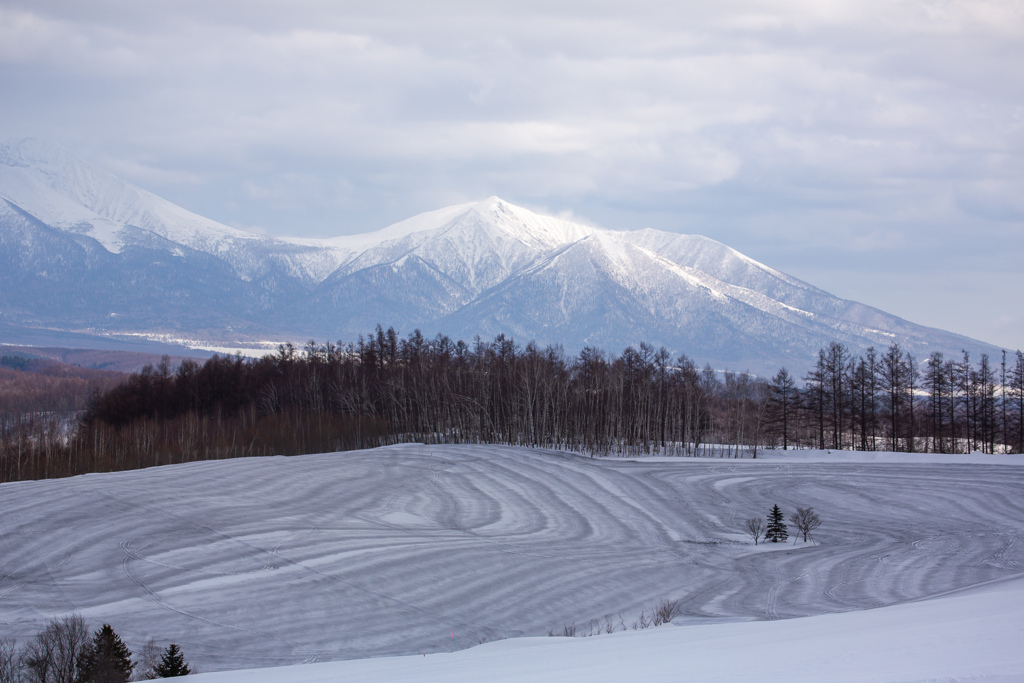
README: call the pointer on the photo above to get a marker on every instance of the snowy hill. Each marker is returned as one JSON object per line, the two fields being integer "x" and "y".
{"x": 277, "y": 561}
{"x": 970, "y": 636}
{"x": 92, "y": 253}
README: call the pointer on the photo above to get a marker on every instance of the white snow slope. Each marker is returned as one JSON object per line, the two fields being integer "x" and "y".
{"x": 481, "y": 268}
{"x": 279, "y": 561}
{"x": 973, "y": 636}
{"x": 72, "y": 195}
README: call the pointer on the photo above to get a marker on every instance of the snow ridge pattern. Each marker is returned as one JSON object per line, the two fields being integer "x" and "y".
{"x": 274, "y": 561}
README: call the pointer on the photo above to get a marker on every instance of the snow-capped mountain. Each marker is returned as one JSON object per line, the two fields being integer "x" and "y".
{"x": 63, "y": 192}
{"x": 85, "y": 251}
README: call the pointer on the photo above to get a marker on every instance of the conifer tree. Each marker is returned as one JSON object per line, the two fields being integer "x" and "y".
{"x": 783, "y": 400}
{"x": 777, "y": 530}
{"x": 106, "y": 660}
{"x": 172, "y": 663}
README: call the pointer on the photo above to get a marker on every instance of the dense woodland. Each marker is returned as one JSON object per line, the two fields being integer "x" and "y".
{"x": 385, "y": 389}
{"x": 34, "y": 387}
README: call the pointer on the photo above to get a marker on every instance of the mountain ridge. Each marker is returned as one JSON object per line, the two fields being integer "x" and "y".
{"x": 91, "y": 252}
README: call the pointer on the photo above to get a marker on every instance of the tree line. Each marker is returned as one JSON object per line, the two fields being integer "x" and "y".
{"x": 385, "y": 389}
{"x": 891, "y": 401}
{"x": 63, "y": 652}
{"x": 31, "y": 388}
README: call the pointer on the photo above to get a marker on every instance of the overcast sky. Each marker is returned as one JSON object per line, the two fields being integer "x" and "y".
{"x": 875, "y": 149}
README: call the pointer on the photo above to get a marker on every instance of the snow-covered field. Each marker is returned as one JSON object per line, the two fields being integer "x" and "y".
{"x": 975, "y": 636}
{"x": 277, "y": 561}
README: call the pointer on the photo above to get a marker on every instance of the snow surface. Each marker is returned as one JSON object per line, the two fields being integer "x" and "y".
{"x": 812, "y": 455}
{"x": 279, "y": 561}
{"x": 972, "y": 636}
{"x": 430, "y": 220}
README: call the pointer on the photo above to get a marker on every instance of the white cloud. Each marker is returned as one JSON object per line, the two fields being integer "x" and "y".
{"x": 866, "y": 125}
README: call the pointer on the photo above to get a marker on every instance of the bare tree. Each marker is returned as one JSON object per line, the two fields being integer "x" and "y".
{"x": 10, "y": 662}
{"x": 814, "y": 397}
{"x": 37, "y": 659}
{"x": 146, "y": 661}
{"x": 805, "y": 520}
{"x": 1002, "y": 403}
{"x": 755, "y": 527}
{"x": 835, "y": 378}
{"x": 783, "y": 398}
{"x": 52, "y": 656}
{"x": 642, "y": 622}
{"x": 893, "y": 372}
{"x": 665, "y": 611}
{"x": 1017, "y": 395}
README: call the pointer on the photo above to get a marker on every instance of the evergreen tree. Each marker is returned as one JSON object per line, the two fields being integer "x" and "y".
{"x": 777, "y": 530}
{"x": 783, "y": 399}
{"x": 106, "y": 660}
{"x": 172, "y": 663}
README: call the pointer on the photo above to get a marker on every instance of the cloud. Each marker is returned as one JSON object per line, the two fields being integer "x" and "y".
{"x": 866, "y": 127}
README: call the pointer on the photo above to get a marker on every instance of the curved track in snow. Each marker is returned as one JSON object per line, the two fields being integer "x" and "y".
{"x": 272, "y": 561}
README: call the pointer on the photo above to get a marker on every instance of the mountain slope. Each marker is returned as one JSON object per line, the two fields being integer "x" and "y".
{"x": 71, "y": 195}
{"x": 90, "y": 252}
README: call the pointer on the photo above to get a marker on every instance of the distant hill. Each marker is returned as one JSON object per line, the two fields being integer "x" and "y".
{"x": 34, "y": 386}
{"x": 40, "y": 359}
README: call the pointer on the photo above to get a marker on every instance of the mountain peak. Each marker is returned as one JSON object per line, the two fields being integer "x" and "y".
{"x": 533, "y": 229}
{"x": 490, "y": 204}
{"x": 486, "y": 266}
{"x": 26, "y": 152}
{"x": 63, "y": 191}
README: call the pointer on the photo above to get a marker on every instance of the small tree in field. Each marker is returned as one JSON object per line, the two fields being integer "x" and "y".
{"x": 755, "y": 527}
{"x": 172, "y": 663}
{"x": 665, "y": 611}
{"x": 805, "y": 520}
{"x": 777, "y": 530}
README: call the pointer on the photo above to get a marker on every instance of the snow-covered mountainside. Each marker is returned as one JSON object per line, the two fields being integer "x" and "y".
{"x": 66, "y": 193}
{"x": 90, "y": 252}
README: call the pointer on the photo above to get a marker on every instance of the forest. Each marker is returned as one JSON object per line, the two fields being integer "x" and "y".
{"x": 32, "y": 386}
{"x": 385, "y": 389}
